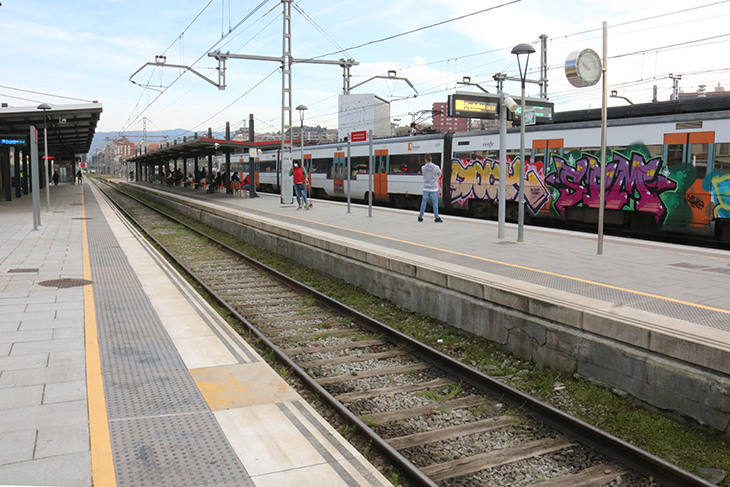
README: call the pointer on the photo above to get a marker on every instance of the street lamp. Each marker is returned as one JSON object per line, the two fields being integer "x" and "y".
{"x": 44, "y": 107}
{"x": 518, "y": 50}
{"x": 301, "y": 109}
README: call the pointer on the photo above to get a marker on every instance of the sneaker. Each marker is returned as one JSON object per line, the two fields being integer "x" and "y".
{"x": 438, "y": 220}
{"x": 420, "y": 218}
{"x": 299, "y": 208}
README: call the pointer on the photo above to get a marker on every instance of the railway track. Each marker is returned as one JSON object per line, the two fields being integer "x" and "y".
{"x": 438, "y": 421}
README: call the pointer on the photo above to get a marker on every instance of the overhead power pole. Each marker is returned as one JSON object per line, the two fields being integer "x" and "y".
{"x": 286, "y": 61}
{"x": 286, "y": 103}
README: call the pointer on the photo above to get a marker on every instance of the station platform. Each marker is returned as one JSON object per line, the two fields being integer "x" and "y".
{"x": 114, "y": 371}
{"x": 646, "y": 317}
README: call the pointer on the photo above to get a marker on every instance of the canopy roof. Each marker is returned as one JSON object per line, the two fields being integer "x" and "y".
{"x": 70, "y": 127}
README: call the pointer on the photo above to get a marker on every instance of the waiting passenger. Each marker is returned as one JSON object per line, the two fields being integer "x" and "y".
{"x": 431, "y": 174}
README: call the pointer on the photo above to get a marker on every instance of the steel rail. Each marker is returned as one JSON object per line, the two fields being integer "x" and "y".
{"x": 631, "y": 456}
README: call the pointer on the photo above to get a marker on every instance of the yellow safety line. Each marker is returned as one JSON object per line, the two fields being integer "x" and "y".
{"x": 516, "y": 266}
{"x": 102, "y": 460}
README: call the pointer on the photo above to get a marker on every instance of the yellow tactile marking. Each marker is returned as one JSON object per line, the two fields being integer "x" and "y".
{"x": 516, "y": 266}
{"x": 234, "y": 386}
{"x": 102, "y": 460}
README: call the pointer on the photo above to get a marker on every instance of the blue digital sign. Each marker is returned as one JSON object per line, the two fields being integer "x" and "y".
{"x": 11, "y": 142}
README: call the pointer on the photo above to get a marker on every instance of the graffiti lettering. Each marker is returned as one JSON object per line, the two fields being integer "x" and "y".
{"x": 631, "y": 184}
{"x": 695, "y": 202}
{"x": 719, "y": 188}
{"x": 479, "y": 179}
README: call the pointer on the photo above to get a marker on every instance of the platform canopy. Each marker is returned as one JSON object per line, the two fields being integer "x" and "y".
{"x": 70, "y": 127}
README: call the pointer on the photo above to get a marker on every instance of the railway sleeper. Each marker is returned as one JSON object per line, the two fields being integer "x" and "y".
{"x": 492, "y": 459}
{"x": 401, "y": 414}
{"x": 386, "y": 391}
{"x": 597, "y": 475}
{"x": 398, "y": 369}
{"x": 335, "y": 348}
{"x": 483, "y": 426}
{"x": 354, "y": 358}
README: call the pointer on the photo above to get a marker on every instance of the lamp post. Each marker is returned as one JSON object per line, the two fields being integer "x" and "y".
{"x": 518, "y": 50}
{"x": 44, "y": 107}
{"x": 301, "y": 109}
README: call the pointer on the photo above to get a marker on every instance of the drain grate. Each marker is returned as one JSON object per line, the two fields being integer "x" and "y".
{"x": 22, "y": 270}
{"x": 64, "y": 283}
{"x": 506, "y": 242}
{"x": 81, "y": 218}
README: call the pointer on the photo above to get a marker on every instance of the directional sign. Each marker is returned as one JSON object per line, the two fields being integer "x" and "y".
{"x": 360, "y": 136}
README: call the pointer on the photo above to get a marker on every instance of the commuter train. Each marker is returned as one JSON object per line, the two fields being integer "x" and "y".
{"x": 667, "y": 171}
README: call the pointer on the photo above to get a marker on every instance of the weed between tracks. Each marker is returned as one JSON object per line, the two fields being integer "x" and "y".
{"x": 680, "y": 443}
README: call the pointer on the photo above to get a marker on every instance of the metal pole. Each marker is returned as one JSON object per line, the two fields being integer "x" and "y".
{"x": 604, "y": 117}
{"x": 521, "y": 205}
{"x": 502, "y": 166}
{"x": 35, "y": 187}
{"x": 370, "y": 175}
{"x": 45, "y": 145}
{"x": 349, "y": 171}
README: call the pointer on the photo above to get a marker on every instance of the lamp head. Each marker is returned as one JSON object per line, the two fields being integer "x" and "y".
{"x": 44, "y": 106}
{"x": 523, "y": 49}
{"x": 302, "y": 107}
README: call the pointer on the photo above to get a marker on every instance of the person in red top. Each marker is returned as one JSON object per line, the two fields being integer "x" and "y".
{"x": 300, "y": 179}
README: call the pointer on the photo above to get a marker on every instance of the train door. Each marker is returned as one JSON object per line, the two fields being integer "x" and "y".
{"x": 689, "y": 157}
{"x": 339, "y": 172}
{"x": 381, "y": 167}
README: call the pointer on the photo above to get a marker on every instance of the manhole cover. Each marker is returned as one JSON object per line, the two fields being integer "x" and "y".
{"x": 22, "y": 270}
{"x": 65, "y": 283}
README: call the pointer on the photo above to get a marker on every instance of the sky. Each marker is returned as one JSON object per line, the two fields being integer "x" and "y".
{"x": 77, "y": 51}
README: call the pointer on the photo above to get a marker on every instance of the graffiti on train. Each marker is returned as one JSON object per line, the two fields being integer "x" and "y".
{"x": 718, "y": 185}
{"x": 479, "y": 178}
{"x": 632, "y": 183}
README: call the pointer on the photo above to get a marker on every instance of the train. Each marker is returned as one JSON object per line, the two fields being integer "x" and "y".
{"x": 667, "y": 170}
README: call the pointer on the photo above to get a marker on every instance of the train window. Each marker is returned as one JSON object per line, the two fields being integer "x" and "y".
{"x": 699, "y": 158}
{"x": 722, "y": 158}
{"x": 675, "y": 154}
{"x": 322, "y": 165}
{"x": 408, "y": 163}
{"x": 359, "y": 165}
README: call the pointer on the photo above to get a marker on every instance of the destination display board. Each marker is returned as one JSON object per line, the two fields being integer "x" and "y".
{"x": 543, "y": 110}
{"x": 474, "y": 106}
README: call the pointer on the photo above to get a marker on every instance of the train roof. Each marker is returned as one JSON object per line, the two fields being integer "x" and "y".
{"x": 673, "y": 107}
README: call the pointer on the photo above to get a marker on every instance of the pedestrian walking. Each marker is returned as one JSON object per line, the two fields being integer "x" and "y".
{"x": 431, "y": 174}
{"x": 300, "y": 185}
{"x": 79, "y": 179}
{"x": 55, "y": 178}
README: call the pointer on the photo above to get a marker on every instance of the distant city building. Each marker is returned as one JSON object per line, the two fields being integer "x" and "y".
{"x": 443, "y": 123}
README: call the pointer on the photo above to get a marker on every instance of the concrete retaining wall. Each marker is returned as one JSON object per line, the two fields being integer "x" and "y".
{"x": 659, "y": 370}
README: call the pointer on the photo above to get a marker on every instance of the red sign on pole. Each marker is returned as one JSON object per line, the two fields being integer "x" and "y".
{"x": 359, "y": 136}
{"x": 82, "y": 165}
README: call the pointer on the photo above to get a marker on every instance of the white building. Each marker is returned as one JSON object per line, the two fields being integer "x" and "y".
{"x": 363, "y": 112}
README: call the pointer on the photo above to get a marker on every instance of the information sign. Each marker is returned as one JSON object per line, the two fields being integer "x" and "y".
{"x": 473, "y": 106}
{"x": 360, "y": 136}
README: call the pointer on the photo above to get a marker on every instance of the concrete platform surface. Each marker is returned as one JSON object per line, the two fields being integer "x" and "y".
{"x": 123, "y": 375}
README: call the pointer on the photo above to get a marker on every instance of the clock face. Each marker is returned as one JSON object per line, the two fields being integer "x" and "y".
{"x": 583, "y": 68}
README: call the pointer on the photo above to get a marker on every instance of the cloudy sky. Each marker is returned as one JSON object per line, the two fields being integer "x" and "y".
{"x": 82, "y": 50}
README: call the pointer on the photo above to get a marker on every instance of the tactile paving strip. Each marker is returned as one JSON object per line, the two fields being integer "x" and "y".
{"x": 162, "y": 431}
